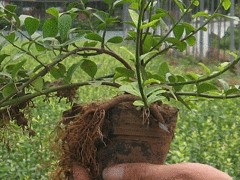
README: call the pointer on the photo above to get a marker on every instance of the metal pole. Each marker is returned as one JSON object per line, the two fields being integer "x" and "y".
{"x": 232, "y": 40}
{"x": 201, "y": 32}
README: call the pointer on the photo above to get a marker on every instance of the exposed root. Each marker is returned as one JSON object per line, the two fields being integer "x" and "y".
{"x": 81, "y": 130}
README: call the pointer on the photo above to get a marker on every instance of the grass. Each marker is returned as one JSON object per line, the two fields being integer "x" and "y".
{"x": 209, "y": 133}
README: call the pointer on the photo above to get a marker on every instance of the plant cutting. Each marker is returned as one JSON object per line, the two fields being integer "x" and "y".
{"x": 128, "y": 127}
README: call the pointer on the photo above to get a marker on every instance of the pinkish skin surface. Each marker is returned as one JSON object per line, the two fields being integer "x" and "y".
{"x": 142, "y": 171}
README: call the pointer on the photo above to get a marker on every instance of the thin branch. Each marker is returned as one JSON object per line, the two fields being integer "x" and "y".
{"x": 51, "y": 90}
{"x": 232, "y": 64}
{"x": 207, "y": 95}
{"x": 191, "y": 34}
{"x": 59, "y": 59}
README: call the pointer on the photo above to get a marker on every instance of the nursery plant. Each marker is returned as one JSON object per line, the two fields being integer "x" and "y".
{"x": 128, "y": 127}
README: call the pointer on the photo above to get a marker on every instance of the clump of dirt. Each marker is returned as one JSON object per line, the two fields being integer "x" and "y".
{"x": 17, "y": 114}
{"x": 94, "y": 136}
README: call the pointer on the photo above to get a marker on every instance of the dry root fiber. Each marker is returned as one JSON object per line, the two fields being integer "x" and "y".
{"x": 81, "y": 133}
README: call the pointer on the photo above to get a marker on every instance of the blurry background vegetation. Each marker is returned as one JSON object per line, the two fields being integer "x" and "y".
{"x": 209, "y": 133}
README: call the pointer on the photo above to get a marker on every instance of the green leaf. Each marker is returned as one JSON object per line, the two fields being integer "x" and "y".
{"x": 8, "y": 90}
{"x": 90, "y": 44}
{"x": 39, "y": 47}
{"x": 179, "y": 78}
{"x": 64, "y": 25}
{"x": 178, "y": 31}
{"x": 138, "y": 103}
{"x": 2, "y": 57}
{"x": 128, "y": 52}
{"x": 58, "y": 71}
{"x": 94, "y": 37}
{"x": 123, "y": 72}
{"x": 89, "y": 67}
{"x": 149, "y": 24}
{"x": 53, "y": 11}
{"x": 188, "y": 27}
{"x": 205, "y": 87}
{"x": 71, "y": 70}
{"x": 191, "y": 40}
{"x": 31, "y": 25}
{"x": 131, "y": 88}
{"x": 10, "y": 10}
{"x": 134, "y": 16}
{"x": 192, "y": 76}
{"x": 14, "y": 68}
{"x": 163, "y": 69}
{"x": 11, "y": 37}
{"x": 224, "y": 84}
{"x": 148, "y": 54}
{"x": 180, "y": 4}
{"x": 155, "y": 97}
{"x": 232, "y": 91}
{"x": 179, "y": 44}
{"x": 151, "y": 81}
{"x": 195, "y": 2}
{"x": 226, "y": 4}
{"x": 115, "y": 39}
{"x": 5, "y": 74}
{"x": 201, "y": 14}
{"x": 38, "y": 84}
{"x": 50, "y": 28}
{"x": 205, "y": 68}
{"x": 180, "y": 99}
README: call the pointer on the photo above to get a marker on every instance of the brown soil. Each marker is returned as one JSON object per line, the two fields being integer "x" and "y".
{"x": 98, "y": 135}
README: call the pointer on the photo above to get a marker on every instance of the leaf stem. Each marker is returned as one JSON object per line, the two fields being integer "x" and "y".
{"x": 138, "y": 53}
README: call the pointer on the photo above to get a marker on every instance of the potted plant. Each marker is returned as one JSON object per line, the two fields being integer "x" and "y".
{"x": 127, "y": 128}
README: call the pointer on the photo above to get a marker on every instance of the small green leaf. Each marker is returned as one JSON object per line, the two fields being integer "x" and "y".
{"x": 149, "y": 24}
{"x": 13, "y": 69}
{"x": 191, "y": 40}
{"x": 90, "y": 44}
{"x": 163, "y": 69}
{"x": 155, "y": 97}
{"x": 89, "y": 67}
{"x": 38, "y": 84}
{"x": 31, "y": 25}
{"x": 134, "y": 16}
{"x": 40, "y": 47}
{"x": 94, "y": 37}
{"x": 205, "y": 87}
{"x": 53, "y": 11}
{"x": 148, "y": 54}
{"x": 201, "y": 14}
{"x": 11, "y": 37}
{"x": 8, "y": 90}
{"x": 123, "y": 72}
{"x": 58, "y": 71}
{"x": 151, "y": 81}
{"x": 192, "y": 76}
{"x": 138, "y": 103}
{"x": 64, "y": 25}
{"x": 232, "y": 91}
{"x": 116, "y": 40}
{"x": 178, "y": 31}
{"x": 128, "y": 52}
{"x": 2, "y": 57}
{"x": 180, "y": 5}
{"x": 50, "y": 28}
{"x": 195, "y": 2}
{"x": 205, "y": 68}
{"x": 131, "y": 88}
{"x": 226, "y": 4}
{"x": 71, "y": 70}
{"x": 224, "y": 84}
{"x": 188, "y": 27}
